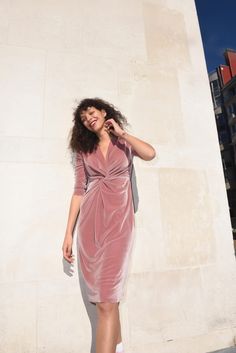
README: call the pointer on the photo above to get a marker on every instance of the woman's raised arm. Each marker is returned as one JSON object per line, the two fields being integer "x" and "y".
{"x": 141, "y": 148}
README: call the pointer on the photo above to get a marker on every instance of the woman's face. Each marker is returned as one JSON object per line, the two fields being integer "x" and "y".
{"x": 93, "y": 119}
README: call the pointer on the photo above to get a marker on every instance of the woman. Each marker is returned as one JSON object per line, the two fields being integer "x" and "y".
{"x": 103, "y": 199}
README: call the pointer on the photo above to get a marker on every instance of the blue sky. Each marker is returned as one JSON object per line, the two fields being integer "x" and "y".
{"x": 217, "y": 20}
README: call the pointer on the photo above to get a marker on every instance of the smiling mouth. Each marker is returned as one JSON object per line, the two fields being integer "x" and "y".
{"x": 93, "y": 123}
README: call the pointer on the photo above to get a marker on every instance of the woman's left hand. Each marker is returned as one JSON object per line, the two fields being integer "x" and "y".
{"x": 111, "y": 126}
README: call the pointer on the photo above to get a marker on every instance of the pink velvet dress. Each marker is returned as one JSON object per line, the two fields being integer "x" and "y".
{"x": 106, "y": 219}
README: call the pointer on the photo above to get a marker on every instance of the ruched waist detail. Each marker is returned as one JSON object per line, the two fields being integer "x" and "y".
{"x": 110, "y": 183}
{"x": 111, "y": 177}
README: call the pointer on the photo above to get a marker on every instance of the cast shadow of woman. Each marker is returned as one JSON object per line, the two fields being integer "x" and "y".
{"x": 68, "y": 269}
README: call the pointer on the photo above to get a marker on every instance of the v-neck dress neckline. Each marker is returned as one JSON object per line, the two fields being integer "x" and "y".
{"x": 108, "y": 148}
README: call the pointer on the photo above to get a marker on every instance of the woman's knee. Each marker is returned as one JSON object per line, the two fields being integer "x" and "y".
{"x": 106, "y": 308}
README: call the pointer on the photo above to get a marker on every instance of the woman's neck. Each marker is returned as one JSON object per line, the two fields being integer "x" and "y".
{"x": 104, "y": 136}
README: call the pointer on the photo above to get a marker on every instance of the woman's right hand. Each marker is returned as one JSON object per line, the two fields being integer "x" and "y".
{"x": 67, "y": 248}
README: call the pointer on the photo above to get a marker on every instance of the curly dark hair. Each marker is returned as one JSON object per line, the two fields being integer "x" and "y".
{"x": 84, "y": 140}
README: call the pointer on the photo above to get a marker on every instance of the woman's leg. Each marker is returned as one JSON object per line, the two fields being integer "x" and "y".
{"x": 119, "y": 338}
{"x": 107, "y": 327}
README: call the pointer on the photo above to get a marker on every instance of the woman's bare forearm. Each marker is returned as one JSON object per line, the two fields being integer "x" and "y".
{"x": 143, "y": 149}
{"x": 73, "y": 213}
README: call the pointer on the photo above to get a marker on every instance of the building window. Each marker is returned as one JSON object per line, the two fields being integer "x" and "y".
{"x": 233, "y": 129}
{"x": 229, "y": 93}
{"x": 216, "y": 93}
{"x": 215, "y": 87}
{"x": 220, "y": 119}
{"x": 231, "y": 110}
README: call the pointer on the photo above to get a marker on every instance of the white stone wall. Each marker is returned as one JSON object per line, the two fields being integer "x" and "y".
{"x": 146, "y": 57}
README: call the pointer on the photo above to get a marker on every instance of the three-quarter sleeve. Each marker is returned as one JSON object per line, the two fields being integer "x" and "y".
{"x": 80, "y": 184}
